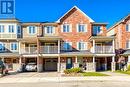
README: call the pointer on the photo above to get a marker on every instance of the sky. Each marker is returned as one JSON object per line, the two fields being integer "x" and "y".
{"x": 109, "y": 11}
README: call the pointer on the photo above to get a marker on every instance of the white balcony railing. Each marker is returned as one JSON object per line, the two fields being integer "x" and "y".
{"x": 103, "y": 49}
{"x": 49, "y": 49}
{"x": 4, "y": 36}
{"x": 29, "y": 50}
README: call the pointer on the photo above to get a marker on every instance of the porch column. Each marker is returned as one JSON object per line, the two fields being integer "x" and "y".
{"x": 19, "y": 47}
{"x": 94, "y": 64}
{"x": 58, "y": 64}
{"x": 93, "y": 46}
{"x": 105, "y": 63}
{"x": 76, "y": 64}
{"x": 58, "y": 46}
{"x": 113, "y": 64}
{"x": 39, "y": 64}
{"x": 113, "y": 46}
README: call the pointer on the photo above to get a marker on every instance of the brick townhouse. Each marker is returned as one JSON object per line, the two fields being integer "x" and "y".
{"x": 121, "y": 31}
{"x": 75, "y": 40}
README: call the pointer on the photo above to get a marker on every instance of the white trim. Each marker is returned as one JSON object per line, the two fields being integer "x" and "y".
{"x": 78, "y": 10}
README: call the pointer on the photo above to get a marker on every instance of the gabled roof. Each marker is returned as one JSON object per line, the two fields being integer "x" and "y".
{"x": 78, "y": 10}
{"x": 120, "y": 21}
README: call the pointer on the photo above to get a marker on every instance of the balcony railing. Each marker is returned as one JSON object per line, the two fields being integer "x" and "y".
{"x": 49, "y": 49}
{"x": 4, "y": 36}
{"x": 29, "y": 50}
{"x": 103, "y": 49}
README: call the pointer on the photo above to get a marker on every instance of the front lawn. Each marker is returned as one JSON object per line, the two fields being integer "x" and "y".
{"x": 124, "y": 72}
{"x": 93, "y": 74}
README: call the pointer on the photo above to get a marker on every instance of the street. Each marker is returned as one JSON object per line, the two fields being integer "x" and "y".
{"x": 70, "y": 84}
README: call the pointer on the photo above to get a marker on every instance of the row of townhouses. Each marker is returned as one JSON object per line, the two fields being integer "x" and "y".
{"x": 75, "y": 40}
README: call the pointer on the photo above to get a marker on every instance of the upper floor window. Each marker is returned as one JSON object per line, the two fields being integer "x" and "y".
{"x": 128, "y": 44}
{"x": 19, "y": 29}
{"x": 31, "y": 29}
{"x": 128, "y": 27}
{"x": 11, "y": 28}
{"x": 1, "y": 28}
{"x": 49, "y": 30}
{"x": 2, "y": 46}
{"x": 82, "y": 28}
{"x": 67, "y": 45}
{"x": 66, "y": 28}
{"x": 14, "y": 46}
{"x": 96, "y": 30}
{"x": 82, "y": 45}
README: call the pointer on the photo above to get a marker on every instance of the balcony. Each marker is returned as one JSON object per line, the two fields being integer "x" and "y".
{"x": 102, "y": 49}
{"x": 49, "y": 49}
{"x": 8, "y": 36}
{"x": 29, "y": 50}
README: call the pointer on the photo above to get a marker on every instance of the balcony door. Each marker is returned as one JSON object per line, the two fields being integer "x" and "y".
{"x": 32, "y": 48}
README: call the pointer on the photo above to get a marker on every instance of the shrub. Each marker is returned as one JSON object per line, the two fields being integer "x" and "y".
{"x": 128, "y": 68}
{"x": 72, "y": 70}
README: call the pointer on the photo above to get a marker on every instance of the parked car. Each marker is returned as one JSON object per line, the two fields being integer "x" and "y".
{"x": 31, "y": 67}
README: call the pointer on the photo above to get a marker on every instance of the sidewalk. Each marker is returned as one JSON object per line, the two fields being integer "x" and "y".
{"x": 63, "y": 79}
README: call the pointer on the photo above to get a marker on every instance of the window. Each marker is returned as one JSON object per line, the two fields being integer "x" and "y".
{"x": 96, "y": 30}
{"x": 67, "y": 45}
{"x": 81, "y": 28}
{"x": 49, "y": 30}
{"x": 11, "y": 28}
{"x": 14, "y": 46}
{"x": 19, "y": 29}
{"x": 66, "y": 28}
{"x": 128, "y": 44}
{"x": 128, "y": 27}
{"x": 81, "y": 46}
{"x": 1, "y": 28}
{"x": 31, "y": 29}
{"x": 2, "y": 46}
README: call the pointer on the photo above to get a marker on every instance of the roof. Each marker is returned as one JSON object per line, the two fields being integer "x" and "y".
{"x": 4, "y": 20}
{"x": 75, "y": 7}
{"x": 76, "y": 53}
{"x": 127, "y": 52}
{"x": 118, "y": 22}
{"x": 99, "y": 23}
{"x": 102, "y": 38}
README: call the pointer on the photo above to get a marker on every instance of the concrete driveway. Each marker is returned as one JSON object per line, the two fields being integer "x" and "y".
{"x": 32, "y": 74}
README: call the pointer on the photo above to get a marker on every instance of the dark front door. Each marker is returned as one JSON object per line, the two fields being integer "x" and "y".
{"x": 69, "y": 63}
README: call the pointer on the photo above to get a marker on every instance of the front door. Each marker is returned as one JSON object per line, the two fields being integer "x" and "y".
{"x": 69, "y": 63}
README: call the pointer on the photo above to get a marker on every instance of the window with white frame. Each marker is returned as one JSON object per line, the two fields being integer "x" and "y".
{"x": 32, "y": 29}
{"x": 82, "y": 45}
{"x": 49, "y": 29}
{"x": 128, "y": 27}
{"x": 2, "y": 46}
{"x": 67, "y": 46}
{"x": 1, "y": 28}
{"x": 11, "y": 28}
{"x": 81, "y": 27}
{"x": 14, "y": 46}
{"x": 66, "y": 28}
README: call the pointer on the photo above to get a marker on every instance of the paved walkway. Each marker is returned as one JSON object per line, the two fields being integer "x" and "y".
{"x": 34, "y": 77}
{"x": 114, "y": 73}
